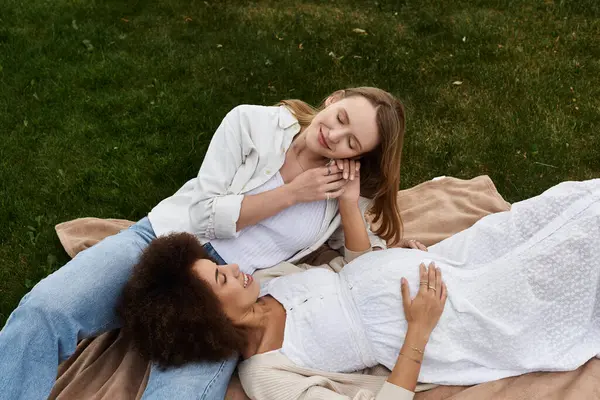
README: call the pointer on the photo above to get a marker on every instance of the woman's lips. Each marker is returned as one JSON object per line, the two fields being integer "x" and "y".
{"x": 247, "y": 280}
{"x": 322, "y": 140}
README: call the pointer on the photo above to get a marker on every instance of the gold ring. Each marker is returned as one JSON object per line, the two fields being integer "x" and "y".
{"x": 431, "y": 287}
{"x": 424, "y": 283}
{"x": 328, "y": 196}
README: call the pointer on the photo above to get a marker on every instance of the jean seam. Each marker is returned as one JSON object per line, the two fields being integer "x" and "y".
{"x": 213, "y": 380}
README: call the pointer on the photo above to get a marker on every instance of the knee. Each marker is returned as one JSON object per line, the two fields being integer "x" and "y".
{"x": 42, "y": 305}
{"x": 38, "y": 303}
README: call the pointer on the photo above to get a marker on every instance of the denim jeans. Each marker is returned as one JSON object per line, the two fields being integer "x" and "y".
{"x": 76, "y": 302}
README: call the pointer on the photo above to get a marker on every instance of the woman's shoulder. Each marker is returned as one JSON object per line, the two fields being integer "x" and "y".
{"x": 263, "y": 115}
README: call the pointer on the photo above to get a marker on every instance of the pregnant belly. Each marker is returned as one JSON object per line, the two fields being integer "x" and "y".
{"x": 375, "y": 278}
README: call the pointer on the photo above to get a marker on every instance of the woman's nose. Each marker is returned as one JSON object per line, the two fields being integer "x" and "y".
{"x": 335, "y": 135}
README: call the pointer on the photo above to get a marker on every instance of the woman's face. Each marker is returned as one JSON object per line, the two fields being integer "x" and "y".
{"x": 345, "y": 128}
{"x": 236, "y": 291}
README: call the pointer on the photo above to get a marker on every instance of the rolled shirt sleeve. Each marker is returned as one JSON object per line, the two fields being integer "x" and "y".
{"x": 213, "y": 210}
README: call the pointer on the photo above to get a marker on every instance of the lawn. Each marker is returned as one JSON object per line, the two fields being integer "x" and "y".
{"x": 106, "y": 107}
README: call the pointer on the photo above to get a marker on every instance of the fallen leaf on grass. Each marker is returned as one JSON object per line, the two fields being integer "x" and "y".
{"x": 300, "y": 46}
{"x": 360, "y": 31}
{"x": 187, "y": 19}
{"x": 88, "y": 45}
{"x": 334, "y": 56}
{"x": 74, "y": 25}
{"x": 124, "y": 20}
{"x": 219, "y": 46}
{"x": 457, "y": 83}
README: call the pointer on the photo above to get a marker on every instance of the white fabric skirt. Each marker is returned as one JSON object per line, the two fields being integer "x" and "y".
{"x": 524, "y": 291}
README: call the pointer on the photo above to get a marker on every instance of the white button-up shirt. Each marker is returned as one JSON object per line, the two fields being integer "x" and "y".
{"x": 246, "y": 150}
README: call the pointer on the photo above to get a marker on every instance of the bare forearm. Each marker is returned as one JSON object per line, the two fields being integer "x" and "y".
{"x": 257, "y": 207}
{"x": 406, "y": 371}
{"x": 355, "y": 232}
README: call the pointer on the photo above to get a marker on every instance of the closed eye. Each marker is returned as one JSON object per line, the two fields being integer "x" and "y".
{"x": 224, "y": 281}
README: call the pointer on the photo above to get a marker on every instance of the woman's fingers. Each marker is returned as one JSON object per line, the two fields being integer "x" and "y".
{"x": 431, "y": 278}
{"x": 346, "y": 169}
{"x": 444, "y": 294}
{"x": 406, "y": 300}
{"x": 423, "y": 280}
{"x": 335, "y": 185}
{"x": 420, "y": 245}
{"x": 438, "y": 281}
{"x": 343, "y": 166}
{"x": 346, "y": 166}
{"x": 333, "y": 177}
{"x": 330, "y": 169}
{"x": 336, "y": 193}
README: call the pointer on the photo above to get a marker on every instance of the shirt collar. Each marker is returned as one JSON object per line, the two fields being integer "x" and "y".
{"x": 286, "y": 118}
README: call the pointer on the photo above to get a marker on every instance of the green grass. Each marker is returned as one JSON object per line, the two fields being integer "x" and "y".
{"x": 106, "y": 107}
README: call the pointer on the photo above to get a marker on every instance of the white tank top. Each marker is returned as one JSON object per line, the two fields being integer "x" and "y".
{"x": 274, "y": 239}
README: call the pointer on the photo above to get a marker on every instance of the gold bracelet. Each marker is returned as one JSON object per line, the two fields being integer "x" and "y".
{"x": 410, "y": 358}
{"x": 417, "y": 350}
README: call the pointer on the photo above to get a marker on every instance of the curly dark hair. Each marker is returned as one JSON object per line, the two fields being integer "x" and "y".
{"x": 171, "y": 315}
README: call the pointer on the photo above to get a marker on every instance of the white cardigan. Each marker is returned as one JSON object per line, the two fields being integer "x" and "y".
{"x": 272, "y": 376}
{"x": 246, "y": 150}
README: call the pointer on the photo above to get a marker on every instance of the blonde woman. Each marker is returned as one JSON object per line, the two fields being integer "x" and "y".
{"x": 267, "y": 191}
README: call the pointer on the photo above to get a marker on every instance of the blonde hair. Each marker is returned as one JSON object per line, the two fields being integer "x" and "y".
{"x": 380, "y": 168}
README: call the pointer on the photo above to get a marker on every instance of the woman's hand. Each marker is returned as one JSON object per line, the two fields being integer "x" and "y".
{"x": 411, "y": 244}
{"x": 424, "y": 311}
{"x": 317, "y": 184}
{"x": 348, "y": 167}
{"x": 352, "y": 189}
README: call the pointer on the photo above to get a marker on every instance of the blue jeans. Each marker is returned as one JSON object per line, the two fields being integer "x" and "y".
{"x": 76, "y": 302}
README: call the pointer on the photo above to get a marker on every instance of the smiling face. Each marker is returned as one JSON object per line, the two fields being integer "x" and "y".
{"x": 237, "y": 291}
{"x": 345, "y": 128}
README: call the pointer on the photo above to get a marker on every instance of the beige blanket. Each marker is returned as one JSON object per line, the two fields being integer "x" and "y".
{"x": 106, "y": 367}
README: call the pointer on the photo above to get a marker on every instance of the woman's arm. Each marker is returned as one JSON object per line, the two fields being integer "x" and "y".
{"x": 422, "y": 314}
{"x": 356, "y": 237}
{"x": 355, "y": 232}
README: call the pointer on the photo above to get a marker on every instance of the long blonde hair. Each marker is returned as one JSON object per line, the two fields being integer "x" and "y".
{"x": 380, "y": 168}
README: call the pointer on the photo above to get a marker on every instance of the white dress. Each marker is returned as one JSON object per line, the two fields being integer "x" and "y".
{"x": 524, "y": 295}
